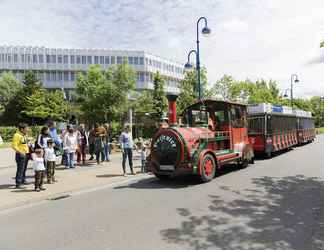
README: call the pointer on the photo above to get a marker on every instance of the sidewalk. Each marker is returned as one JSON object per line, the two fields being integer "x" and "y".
{"x": 69, "y": 181}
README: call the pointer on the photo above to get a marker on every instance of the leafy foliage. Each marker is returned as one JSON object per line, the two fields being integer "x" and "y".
{"x": 103, "y": 96}
{"x": 189, "y": 89}
{"x": 9, "y": 87}
{"x": 160, "y": 102}
{"x": 44, "y": 104}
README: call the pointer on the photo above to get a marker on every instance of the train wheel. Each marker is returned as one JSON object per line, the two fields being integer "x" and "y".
{"x": 162, "y": 177}
{"x": 208, "y": 168}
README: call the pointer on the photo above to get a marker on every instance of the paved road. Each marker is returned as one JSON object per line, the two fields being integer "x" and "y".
{"x": 275, "y": 204}
{"x": 7, "y": 156}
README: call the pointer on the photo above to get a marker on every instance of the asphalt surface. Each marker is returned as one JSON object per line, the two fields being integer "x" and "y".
{"x": 273, "y": 204}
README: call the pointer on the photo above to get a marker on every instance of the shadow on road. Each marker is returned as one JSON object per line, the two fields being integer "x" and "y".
{"x": 7, "y": 186}
{"x": 109, "y": 175}
{"x": 280, "y": 213}
{"x": 154, "y": 183}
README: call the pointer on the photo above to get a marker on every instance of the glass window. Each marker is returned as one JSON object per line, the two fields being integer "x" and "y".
{"x": 84, "y": 59}
{"x": 238, "y": 117}
{"x": 141, "y": 76}
{"x": 41, "y": 75}
{"x": 141, "y": 61}
{"x": 48, "y": 59}
{"x": 59, "y": 59}
{"x": 131, "y": 60}
{"x": 107, "y": 61}
{"x": 65, "y": 59}
{"x": 72, "y": 59}
{"x": 34, "y": 58}
{"x": 54, "y": 76}
{"x": 9, "y": 58}
{"x": 53, "y": 59}
{"x": 60, "y": 75}
{"x": 72, "y": 76}
{"x": 119, "y": 60}
{"x": 48, "y": 76}
{"x": 89, "y": 59}
{"x": 28, "y": 58}
{"x": 96, "y": 59}
{"x": 102, "y": 60}
{"x": 136, "y": 60}
{"x": 15, "y": 58}
{"x": 66, "y": 76}
{"x": 40, "y": 58}
{"x": 78, "y": 59}
{"x": 113, "y": 60}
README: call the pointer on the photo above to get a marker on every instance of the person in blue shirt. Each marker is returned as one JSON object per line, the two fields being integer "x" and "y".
{"x": 53, "y": 133}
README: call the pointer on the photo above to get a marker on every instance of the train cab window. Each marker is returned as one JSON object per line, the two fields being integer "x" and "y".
{"x": 199, "y": 118}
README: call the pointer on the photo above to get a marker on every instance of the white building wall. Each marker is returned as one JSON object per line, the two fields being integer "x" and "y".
{"x": 57, "y": 67}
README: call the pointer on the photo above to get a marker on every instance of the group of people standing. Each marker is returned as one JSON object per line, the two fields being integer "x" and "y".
{"x": 73, "y": 144}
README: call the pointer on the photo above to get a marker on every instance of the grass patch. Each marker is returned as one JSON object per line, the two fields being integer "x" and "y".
{"x": 320, "y": 130}
{"x": 5, "y": 145}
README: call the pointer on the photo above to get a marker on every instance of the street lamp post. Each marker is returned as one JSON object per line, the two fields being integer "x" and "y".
{"x": 293, "y": 76}
{"x": 205, "y": 31}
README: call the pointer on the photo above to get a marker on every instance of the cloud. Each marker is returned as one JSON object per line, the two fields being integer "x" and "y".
{"x": 250, "y": 39}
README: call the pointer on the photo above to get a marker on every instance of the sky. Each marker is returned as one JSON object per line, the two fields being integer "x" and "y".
{"x": 270, "y": 39}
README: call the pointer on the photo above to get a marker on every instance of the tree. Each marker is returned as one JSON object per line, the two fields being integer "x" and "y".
{"x": 103, "y": 96}
{"x": 43, "y": 104}
{"x": 160, "y": 102}
{"x": 144, "y": 103}
{"x": 9, "y": 87}
{"x": 225, "y": 89}
{"x": 31, "y": 83}
{"x": 13, "y": 110}
{"x": 189, "y": 91}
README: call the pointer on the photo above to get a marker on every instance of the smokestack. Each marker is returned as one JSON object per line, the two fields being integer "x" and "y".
{"x": 172, "y": 109}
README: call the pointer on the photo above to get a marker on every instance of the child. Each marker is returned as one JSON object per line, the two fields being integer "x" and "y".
{"x": 39, "y": 169}
{"x": 143, "y": 158}
{"x": 50, "y": 159}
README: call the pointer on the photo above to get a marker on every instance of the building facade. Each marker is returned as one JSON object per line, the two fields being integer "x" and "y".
{"x": 58, "y": 68}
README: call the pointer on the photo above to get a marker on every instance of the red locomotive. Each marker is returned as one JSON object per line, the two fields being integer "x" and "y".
{"x": 213, "y": 134}
{"x": 275, "y": 128}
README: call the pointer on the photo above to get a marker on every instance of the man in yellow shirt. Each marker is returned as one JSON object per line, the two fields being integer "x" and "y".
{"x": 20, "y": 145}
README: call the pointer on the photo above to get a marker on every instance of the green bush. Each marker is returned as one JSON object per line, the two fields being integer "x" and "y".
{"x": 319, "y": 130}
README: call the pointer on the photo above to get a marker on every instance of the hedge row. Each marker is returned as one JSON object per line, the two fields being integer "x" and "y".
{"x": 8, "y": 132}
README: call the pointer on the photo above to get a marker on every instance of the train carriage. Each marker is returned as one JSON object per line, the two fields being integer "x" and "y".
{"x": 305, "y": 127}
{"x": 274, "y": 128}
{"x": 213, "y": 134}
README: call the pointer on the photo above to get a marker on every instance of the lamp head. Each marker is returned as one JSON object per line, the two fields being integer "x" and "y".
{"x": 206, "y": 31}
{"x": 285, "y": 95}
{"x": 296, "y": 80}
{"x": 188, "y": 66}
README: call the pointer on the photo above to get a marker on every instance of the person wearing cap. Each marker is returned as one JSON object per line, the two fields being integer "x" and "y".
{"x": 20, "y": 145}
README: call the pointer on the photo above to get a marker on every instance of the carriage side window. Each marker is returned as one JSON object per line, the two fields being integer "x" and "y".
{"x": 238, "y": 117}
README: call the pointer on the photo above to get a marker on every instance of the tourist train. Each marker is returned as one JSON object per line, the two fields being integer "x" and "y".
{"x": 274, "y": 128}
{"x": 214, "y": 133}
